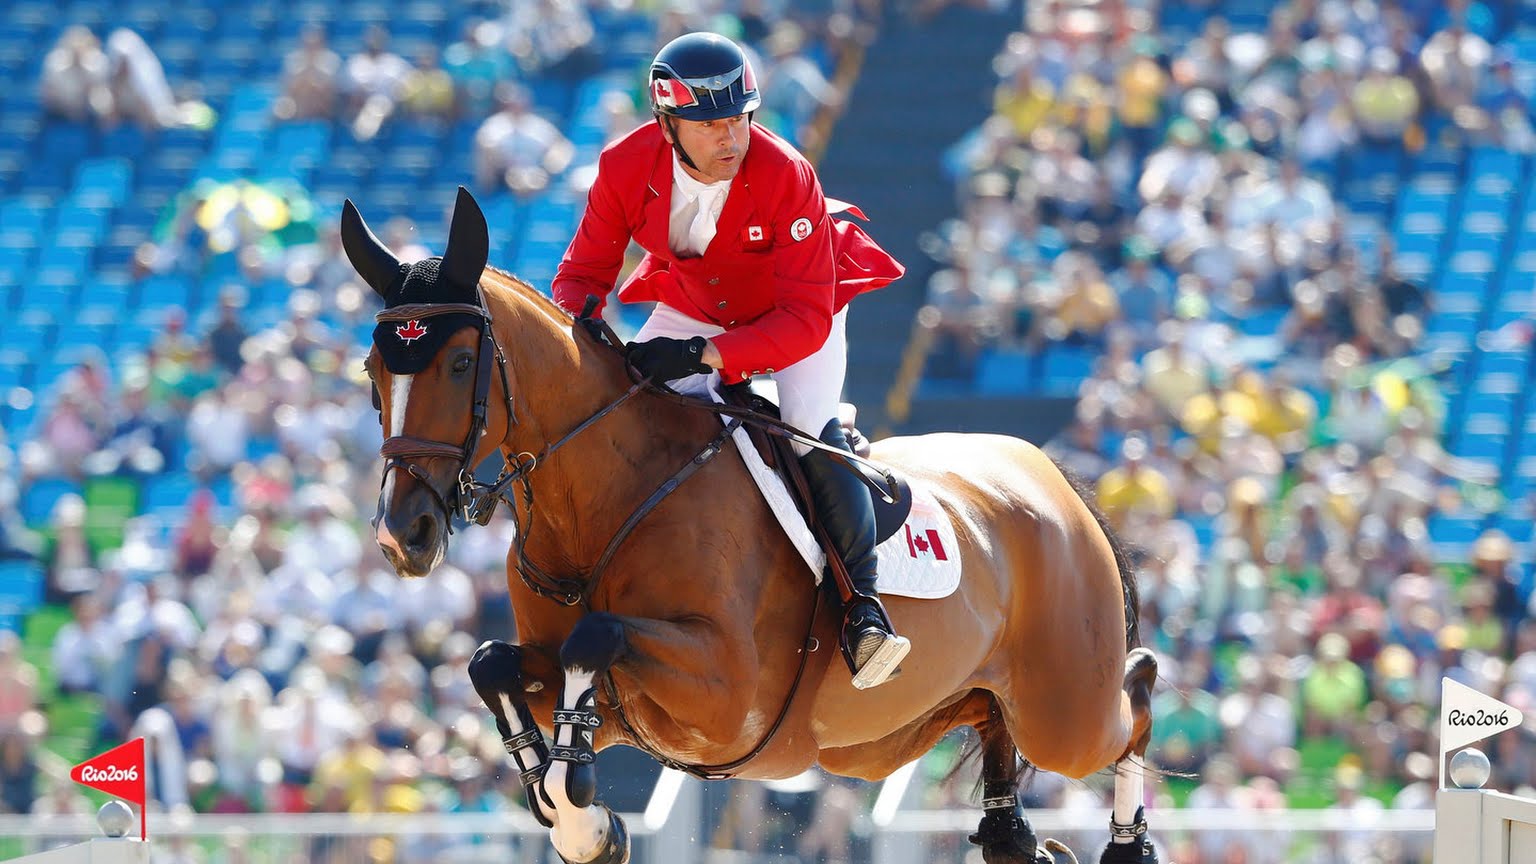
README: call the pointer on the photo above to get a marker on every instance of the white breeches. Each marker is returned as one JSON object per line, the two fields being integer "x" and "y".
{"x": 809, "y": 391}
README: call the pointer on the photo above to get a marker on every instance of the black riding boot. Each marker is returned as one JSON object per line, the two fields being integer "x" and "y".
{"x": 846, "y": 511}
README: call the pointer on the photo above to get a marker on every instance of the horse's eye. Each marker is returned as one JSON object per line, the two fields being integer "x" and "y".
{"x": 461, "y": 365}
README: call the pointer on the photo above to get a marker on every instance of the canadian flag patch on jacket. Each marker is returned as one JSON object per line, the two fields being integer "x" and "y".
{"x": 754, "y": 237}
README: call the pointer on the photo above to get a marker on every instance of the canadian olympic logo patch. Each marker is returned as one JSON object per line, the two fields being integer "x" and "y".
{"x": 800, "y": 229}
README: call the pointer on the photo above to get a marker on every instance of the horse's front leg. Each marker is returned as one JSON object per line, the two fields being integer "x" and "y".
{"x": 585, "y": 830}
{"x": 680, "y": 662}
{"x": 496, "y": 671}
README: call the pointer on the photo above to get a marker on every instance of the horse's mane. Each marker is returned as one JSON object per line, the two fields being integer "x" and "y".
{"x": 532, "y": 294}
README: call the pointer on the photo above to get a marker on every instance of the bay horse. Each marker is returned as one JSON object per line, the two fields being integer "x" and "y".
{"x": 686, "y": 624}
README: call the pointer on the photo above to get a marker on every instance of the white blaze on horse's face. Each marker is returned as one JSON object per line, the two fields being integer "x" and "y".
{"x": 399, "y": 394}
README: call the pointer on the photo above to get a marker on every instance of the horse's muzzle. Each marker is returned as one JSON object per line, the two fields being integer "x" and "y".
{"x": 413, "y": 538}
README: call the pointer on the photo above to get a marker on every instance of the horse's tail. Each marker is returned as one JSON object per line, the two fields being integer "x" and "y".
{"x": 1124, "y": 556}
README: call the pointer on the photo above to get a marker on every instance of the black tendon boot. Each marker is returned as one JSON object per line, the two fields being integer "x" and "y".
{"x": 846, "y": 511}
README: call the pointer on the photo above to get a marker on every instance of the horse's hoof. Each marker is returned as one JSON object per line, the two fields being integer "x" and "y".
{"x": 1056, "y": 852}
{"x": 616, "y": 850}
{"x": 1005, "y": 838}
{"x": 1129, "y": 853}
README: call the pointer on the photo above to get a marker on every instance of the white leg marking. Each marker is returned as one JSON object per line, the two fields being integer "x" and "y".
{"x": 1129, "y": 780}
{"x": 580, "y": 832}
{"x": 524, "y": 755}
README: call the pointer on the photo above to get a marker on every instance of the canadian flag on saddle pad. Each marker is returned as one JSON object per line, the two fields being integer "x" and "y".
{"x": 923, "y": 558}
{"x": 926, "y": 543}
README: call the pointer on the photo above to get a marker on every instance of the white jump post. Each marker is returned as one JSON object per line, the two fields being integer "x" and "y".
{"x": 1479, "y": 826}
{"x": 1474, "y": 825}
{"x": 115, "y": 820}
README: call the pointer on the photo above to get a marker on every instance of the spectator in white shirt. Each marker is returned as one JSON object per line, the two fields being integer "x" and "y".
{"x": 1299, "y": 205}
{"x": 323, "y": 539}
{"x": 1183, "y": 167}
{"x": 517, "y": 148}
{"x": 85, "y": 648}
{"x": 75, "y": 77}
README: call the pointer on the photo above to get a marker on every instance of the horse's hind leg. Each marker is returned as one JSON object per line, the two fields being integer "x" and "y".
{"x": 1128, "y": 824}
{"x": 1005, "y": 835}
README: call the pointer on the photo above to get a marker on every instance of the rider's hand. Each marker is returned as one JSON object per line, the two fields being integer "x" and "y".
{"x": 593, "y": 326}
{"x": 664, "y": 359}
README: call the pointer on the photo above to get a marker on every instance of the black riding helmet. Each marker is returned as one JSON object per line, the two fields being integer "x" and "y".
{"x": 701, "y": 76}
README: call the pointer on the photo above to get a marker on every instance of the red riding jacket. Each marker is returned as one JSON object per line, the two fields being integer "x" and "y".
{"x": 776, "y": 271}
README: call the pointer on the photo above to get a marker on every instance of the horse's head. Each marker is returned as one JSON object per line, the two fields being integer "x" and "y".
{"x": 432, "y": 362}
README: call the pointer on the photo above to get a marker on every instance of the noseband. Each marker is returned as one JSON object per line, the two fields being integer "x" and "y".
{"x": 469, "y": 497}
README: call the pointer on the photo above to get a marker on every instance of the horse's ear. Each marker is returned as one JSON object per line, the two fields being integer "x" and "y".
{"x": 469, "y": 243}
{"x": 369, "y": 256}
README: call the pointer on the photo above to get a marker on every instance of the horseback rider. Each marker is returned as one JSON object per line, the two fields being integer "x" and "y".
{"x": 750, "y": 275}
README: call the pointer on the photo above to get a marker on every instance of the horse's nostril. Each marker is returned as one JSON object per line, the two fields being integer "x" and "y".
{"x": 421, "y": 534}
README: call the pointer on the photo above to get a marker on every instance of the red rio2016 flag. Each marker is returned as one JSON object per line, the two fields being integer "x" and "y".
{"x": 118, "y": 772}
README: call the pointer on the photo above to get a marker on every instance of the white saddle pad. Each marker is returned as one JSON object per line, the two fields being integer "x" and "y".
{"x": 921, "y": 560}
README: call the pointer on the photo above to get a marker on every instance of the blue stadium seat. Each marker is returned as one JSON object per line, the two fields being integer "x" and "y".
{"x": 38, "y": 498}
{"x": 1502, "y": 372}
{"x": 1065, "y": 367}
{"x": 63, "y": 264}
{"x": 1005, "y": 372}
{"x": 1453, "y": 534}
{"x": 74, "y": 336}
{"x": 23, "y": 218}
{"x": 22, "y": 580}
{"x": 21, "y": 592}
{"x": 78, "y": 225}
{"x": 15, "y": 264}
{"x": 29, "y": 337}
{"x": 166, "y": 291}
{"x": 55, "y": 296}
{"x": 167, "y": 492}
{"x": 1490, "y": 404}
{"x": 103, "y": 183}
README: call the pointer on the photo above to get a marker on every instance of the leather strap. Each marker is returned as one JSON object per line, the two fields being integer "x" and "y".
{"x": 416, "y": 311}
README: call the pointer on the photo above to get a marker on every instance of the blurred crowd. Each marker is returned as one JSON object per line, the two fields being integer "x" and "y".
{"x": 251, "y": 631}
{"x": 485, "y": 76}
{"x": 1133, "y": 195}
{"x": 1145, "y": 199}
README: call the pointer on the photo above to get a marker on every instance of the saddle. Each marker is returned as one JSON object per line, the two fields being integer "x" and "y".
{"x": 780, "y": 456}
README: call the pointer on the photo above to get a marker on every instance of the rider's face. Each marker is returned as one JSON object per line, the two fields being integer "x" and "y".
{"x": 715, "y": 146}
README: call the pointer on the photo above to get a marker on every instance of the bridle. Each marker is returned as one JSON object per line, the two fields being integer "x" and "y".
{"x": 475, "y": 500}
{"x": 469, "y": 497}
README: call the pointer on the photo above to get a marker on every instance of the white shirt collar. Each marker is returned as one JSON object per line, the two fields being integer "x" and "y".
{"x": 686, "y": 184}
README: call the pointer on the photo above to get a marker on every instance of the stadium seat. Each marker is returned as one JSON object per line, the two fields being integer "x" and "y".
{"x": 37, "y": 499}
{"x": 21, "y": 592}
{"x": 167, "y": 493}
{"x": 1002, "y": 372}
{"x": 1065, "y": 368}
{"x": 162, "y": 292}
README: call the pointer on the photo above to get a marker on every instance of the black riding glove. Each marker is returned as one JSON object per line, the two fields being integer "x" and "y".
{"x": 663, "y": 359}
